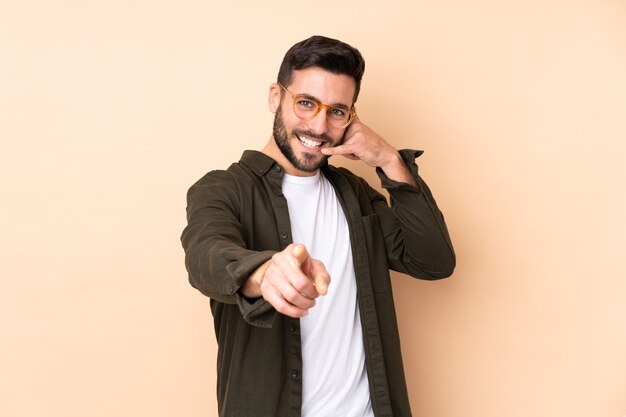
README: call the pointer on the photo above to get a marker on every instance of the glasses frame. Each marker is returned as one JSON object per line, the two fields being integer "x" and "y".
{"x": 320, "y": 106}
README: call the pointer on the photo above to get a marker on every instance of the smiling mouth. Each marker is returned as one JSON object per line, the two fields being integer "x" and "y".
{"x": 310, "y": 143}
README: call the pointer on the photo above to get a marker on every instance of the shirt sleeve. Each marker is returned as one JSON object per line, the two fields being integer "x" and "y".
{"x": 216, "y": 256}
{"x": 414, "y": 229}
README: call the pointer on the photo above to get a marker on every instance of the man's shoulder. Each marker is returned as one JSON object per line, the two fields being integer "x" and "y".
{"x": 250, "y": 165}
{"x": 221, "y": 185}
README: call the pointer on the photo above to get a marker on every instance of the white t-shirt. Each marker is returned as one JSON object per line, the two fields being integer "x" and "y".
{"x": 334, "y": 377}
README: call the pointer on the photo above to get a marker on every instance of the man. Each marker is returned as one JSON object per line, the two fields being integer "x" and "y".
{"x": 295, "y": 253}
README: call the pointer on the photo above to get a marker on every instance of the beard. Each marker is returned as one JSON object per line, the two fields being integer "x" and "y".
{"x": 308, "y": 162}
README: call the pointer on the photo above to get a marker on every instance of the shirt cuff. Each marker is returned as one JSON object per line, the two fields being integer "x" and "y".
{"x": 408, "y": 156}
{"x": 257, "y": 312}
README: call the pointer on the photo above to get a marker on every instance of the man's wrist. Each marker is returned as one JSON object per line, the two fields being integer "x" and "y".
{"x": 395, "y": 169}
{"x": 252, "y": 287}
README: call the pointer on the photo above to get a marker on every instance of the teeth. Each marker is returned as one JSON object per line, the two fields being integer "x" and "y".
{"x": 310, "y": 143}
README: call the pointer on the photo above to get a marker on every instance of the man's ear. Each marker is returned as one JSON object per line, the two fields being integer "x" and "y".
{"x": 273, "y": 99}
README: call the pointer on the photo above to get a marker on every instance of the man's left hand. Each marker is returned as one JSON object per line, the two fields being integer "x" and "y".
{"x": 362, "y": 143}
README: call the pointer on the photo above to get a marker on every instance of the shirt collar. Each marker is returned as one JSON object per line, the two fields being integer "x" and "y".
{"x": 257, "y": 161}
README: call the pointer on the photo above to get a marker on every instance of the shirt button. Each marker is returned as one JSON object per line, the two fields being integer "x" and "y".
{"x": 277, "y": 168}
{"x": 294, "y": 374}
{"x": 283, "y": 235}
{"x": 292, "y": 328}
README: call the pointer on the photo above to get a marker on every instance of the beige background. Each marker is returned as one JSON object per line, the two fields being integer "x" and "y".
{"x": 109, "y": 111}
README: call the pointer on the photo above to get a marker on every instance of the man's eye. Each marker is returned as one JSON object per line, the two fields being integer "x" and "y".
{"x": 305, "y": 104}
{"x": 338, "y": 112}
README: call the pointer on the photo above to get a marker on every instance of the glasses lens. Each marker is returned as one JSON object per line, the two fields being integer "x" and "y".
{"x": 306, "y": 108}
{"x": 338, "y": 116}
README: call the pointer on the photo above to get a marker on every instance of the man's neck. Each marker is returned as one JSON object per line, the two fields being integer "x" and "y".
{"x": 272, "y": 150}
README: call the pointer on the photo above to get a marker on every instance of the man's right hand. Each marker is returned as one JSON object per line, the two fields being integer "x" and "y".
{"x": 290, "y": 281}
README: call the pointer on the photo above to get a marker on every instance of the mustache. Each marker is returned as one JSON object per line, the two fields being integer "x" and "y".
{"x": 312, "y": 135}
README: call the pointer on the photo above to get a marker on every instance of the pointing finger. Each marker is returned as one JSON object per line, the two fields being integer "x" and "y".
{"x": 317, "y": 271}
{"x": 300, "y": 253}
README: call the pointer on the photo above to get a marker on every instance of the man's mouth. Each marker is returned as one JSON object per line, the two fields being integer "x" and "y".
{"x": 309, "y": 143}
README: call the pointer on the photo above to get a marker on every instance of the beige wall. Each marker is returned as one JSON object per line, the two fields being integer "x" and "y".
{"x": 110, "y": 110}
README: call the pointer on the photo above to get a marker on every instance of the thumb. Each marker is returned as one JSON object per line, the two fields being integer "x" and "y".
{"x": 300, "y": 253}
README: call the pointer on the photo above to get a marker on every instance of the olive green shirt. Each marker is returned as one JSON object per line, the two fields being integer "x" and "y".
{"x": 238, "y": 218}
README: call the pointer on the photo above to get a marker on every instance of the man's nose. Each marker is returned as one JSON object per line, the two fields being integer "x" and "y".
{"x": 319, "y": 124}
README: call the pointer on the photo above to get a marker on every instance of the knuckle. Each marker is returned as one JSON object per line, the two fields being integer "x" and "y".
{"x": 279, "y": 261}
{"x": 291, "y": 295}
{"x": 301, "y": 285}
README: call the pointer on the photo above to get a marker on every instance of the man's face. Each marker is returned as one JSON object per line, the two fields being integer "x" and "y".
{"x": 301, "y": 141}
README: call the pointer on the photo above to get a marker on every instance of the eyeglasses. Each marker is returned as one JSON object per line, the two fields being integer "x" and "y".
{"x": 307, "y": 108}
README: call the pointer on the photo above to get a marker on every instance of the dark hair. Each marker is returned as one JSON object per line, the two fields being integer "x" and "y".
{"x": 330, "y": 54}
